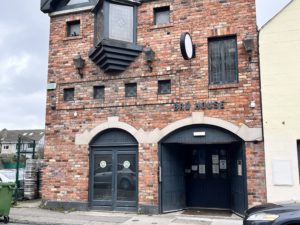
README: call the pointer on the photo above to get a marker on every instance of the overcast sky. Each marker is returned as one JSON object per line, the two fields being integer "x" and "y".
{"x": 24, "y": 32}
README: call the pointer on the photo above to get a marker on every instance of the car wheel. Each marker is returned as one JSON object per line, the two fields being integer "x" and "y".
{"x": 125, "y": 184}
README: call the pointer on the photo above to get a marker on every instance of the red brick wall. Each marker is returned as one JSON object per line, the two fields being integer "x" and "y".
{"x": 66, "y": 174}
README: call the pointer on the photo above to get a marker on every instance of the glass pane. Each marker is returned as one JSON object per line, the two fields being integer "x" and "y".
{"x": 131, "y": 90}
{"x": 103, "y": 177}
{"x": 162, "y": 16}
{"x": 126, "y": 177}
{"x": 230, "y": 61}
{"x": 121, "y": 22}
{"x": 74, "y": 2}
{"x": 215, "y": 73}
{"x": 73, "y": 28}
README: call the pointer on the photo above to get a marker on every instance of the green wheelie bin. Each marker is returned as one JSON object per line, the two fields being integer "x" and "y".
{"x": 6, "y": 192}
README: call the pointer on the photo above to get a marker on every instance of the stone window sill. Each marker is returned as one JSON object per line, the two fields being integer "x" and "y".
{"x": 72, "y": 38}
{"x": 156, "y": 27}
{"x": 223, "y": 86}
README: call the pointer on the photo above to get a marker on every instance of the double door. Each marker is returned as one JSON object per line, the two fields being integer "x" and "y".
{"x": 113, "y": 178}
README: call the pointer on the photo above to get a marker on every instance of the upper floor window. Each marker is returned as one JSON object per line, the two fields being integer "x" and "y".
{"x": 98, "y": 92}
{"x": 223, "y": 66}
{"x": 162, "y": 15}
{"x": 121, "y": 22}
{"x": 69, "y": 94}
{"x": 73, "y": 28}
{"x": 131, "y": 90}
{"x": 115, "y": 22}
{"x": 30, "y": 145}
{"x": 164, "y": 87}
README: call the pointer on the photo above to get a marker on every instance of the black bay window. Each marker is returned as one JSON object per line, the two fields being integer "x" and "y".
{"x": 223, "y": 66}
{"x": 115, "y": 38}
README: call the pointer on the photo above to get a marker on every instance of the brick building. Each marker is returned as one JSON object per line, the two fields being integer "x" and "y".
{"x": 133, "y": 125}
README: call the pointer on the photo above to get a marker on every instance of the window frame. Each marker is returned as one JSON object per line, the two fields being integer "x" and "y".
{"x": 105, "y": 24}
{"x": 64, "y": 94}
{"x": 69, "y": 24}
{"x": 160, "y": 82}
{"x": 127, "y": 85}
{"x": 158, "y": 10}
{"x": 94, "y": 92}
{"x": 223, "y": 80}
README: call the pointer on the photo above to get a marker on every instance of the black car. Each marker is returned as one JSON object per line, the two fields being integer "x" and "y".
{"x": 273, "y": 214}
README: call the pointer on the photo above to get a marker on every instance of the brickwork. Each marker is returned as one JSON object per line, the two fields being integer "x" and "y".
{"x": 256, "y": 174}
{"x": 67, "y": 164}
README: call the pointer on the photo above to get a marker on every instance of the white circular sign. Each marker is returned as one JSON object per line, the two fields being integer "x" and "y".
{"x": 103, "y": 164}
{"x": 126, "y": 164}
{"x": 186, "y": 46}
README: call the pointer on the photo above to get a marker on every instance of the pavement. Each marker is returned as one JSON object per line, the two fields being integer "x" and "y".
{"x": 30, "y": 213}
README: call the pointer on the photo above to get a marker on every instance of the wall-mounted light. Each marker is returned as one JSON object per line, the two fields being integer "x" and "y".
{"x": 149, "y": 56}
{"x": 79, "y": 63}
{"x": 249, "y": 44}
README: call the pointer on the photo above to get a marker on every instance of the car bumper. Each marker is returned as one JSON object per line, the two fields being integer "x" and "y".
{"x": 258, "y": 222}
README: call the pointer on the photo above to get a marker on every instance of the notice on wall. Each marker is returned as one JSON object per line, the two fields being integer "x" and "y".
{"x": 215, "y": 169}
{"x": 215, "y": 159}
{"x": 194, "y": 168}
{"x": 223, "y": 164}
{"x": 202, "y": 169}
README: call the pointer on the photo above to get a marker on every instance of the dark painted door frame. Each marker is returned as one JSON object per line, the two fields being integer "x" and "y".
{"x": 115, "y": 142}
{"x": 114, "y": 203}
{"x": 160, "y": 149}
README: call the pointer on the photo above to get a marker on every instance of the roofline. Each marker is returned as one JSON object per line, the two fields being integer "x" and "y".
{"x": 277, "y": 14}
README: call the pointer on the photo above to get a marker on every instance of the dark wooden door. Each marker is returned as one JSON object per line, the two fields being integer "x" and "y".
{"x": 207, "y": 182}
{"x": 172, "y": 179}
{"x": 239, "y": 201}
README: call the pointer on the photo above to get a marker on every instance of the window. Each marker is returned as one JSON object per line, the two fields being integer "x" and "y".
{"x": 6, "y": 147}
{"x": 121, "y": 22}
{"x": 131, "y": 90}
{"x": 223, "y": 68}
{"x": 298, "y": 151}
{"x": 164, "y": 87}
{"x": 69, "y": 94}
{"x": 162, "y": 15}
{"x": 115, "y": 22}
{"x": 99, "y": 92}
{"x": 73, "y": 28}
{"x": 30, "y": 145}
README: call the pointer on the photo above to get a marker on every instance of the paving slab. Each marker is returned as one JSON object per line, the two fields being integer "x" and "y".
{"x": 23, "y": 215}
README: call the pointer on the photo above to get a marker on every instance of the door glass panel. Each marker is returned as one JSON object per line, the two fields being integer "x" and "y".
{"x": 103, "y": 177}
{"x": 126, "y": 177}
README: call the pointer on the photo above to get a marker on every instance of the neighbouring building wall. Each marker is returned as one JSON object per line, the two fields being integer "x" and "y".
{"x": 8, "y": 148}
{"x": 280, "y": 76}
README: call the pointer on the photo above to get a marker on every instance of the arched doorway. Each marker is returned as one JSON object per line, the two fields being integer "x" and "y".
{"x": 113, "y": 171}
{"x": 202, "y": 166}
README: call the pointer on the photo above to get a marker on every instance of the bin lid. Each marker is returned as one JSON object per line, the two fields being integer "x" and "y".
{"x": 5, "y": 184}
